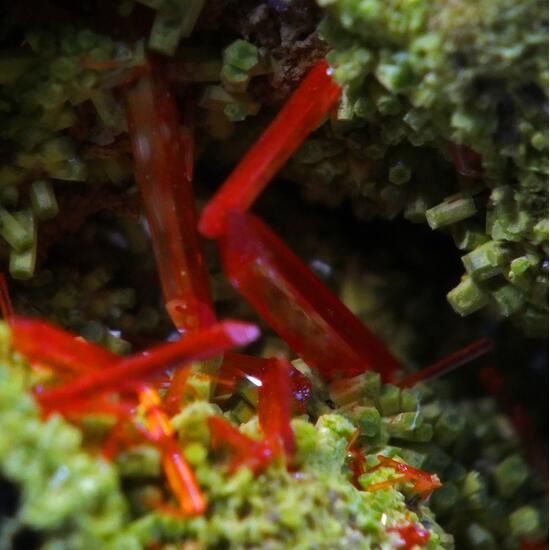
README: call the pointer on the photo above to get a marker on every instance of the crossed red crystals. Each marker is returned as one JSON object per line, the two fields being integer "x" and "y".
{"x": 423, "y": 483}
{"x": 198, "y": 346}
{"x": 247, "y": 452}
{"x": 237, "y": 366}
{"x": 283, "y": 290}
{"x": 103, "y": 371}
{"x": 411, "y": 534}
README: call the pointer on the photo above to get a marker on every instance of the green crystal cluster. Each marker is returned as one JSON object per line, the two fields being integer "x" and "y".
{"x": 421, "y": 78}
{"x": 491, "y": 498}
{"x": 58, "y": 113}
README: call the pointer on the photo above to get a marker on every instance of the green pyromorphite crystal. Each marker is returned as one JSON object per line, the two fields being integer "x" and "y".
{"x": 420, "y": 76}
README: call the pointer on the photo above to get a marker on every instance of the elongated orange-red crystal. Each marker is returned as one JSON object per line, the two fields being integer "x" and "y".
{"x": 423, "y": 483}
{"x": 63, "y": 351}
{"x": 450, "y": 362}
{"x": 6, "y": 307}
{"x": 163, "y": 160}
{"x": 236, "y": 366}
{"x": 302, "y": 113}
{"x": 274, "y": 406}
{"x": 411, "y": 535}
{"x": 247, "y": 452}
{"x": 135, "y": 369}
{"x": 180, "y": 477}
{"x": 298, "y": 305}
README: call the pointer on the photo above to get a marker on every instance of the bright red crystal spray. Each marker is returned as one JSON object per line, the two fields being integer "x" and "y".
{"x": 133, "y": 370}
{"x": 298, "y": 305}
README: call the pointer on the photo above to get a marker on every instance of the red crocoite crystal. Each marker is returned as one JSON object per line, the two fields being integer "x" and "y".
{"x": 274, "y": 407}
{"x": 255, "y": 455}
{"x": 412, "y": 535}
{"x": 6, "y": 307}
{"x": 297, "y": 305}
{"x": 305, "y": 109}
{"x": 64, "y": 351}
{"x": 179, "y": 475}
{"x": 56, "y": 348}
{"x": 467, "y": 162}
{"x": 163, "y": 159}
{"x": 133, "y": 370}
{"x": 236, "y": 366}
{"x": 423, "y": 483}
{"x": 450, "y": 362}
{"x": 181, "y": 479}
{"x": 357, "y": 459}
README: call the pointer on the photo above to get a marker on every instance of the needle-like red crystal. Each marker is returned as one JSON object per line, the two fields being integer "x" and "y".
{"x": 236, "y": 366}
{"x": 423, "y": 483}
{"x": 255, "y": 455}
{"x": 180, "y": 477}
{"x": 133, "y": 370}
{"x": 6, "y": 307}
{"x": 467, "y": 162}
{"x": 357, "y": 458}
{"x": 274, "y": 406}
{"x": 298, "y": 305}
{"x": 63, "y": 351}
{"x": 411, "y": 534}
{"x": 450, "y": 362}
{"x": 163, "y": 159}
{"x": 305, "y": 109}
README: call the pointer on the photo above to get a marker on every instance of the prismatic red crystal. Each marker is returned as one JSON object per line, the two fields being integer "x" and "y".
{"x": 133, "y": 370}
{"x": 6, "y": 307}
{"x": 411, "y": 534}
{"x": 305, "y": 109}
{"x": 274, "y": 407}
{"x": 163, "y": 159}
{"x": 255, "y": 455}
{"x": 180, "y": 477}
{"x": 423, "y": 483}
{"x": 358, "y": 460}
{"x": 450, "y": 362}
{"x": 466, "y": 161}
{"x": 56, "y": 348}
{"x": 298, "y": 305}
{"x": 236, "y": 366}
